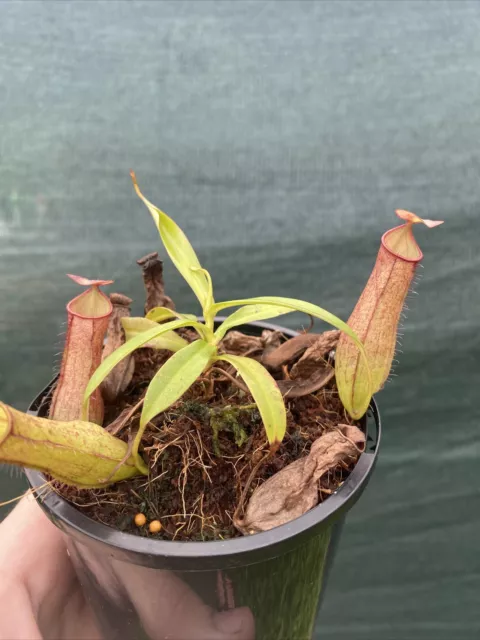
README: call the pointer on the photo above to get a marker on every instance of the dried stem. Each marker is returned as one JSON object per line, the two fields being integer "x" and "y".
{"x": 152, "y": 269}
{"x": 117, "y": 425}
{"x": 119, "y": 378}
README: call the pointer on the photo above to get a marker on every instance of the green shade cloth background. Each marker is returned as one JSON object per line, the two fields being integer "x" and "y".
{"x": 281, "y": 136}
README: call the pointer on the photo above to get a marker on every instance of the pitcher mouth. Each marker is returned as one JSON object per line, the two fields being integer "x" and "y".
{"x": 91, "y": 304}
{"x": 401, "y": 243}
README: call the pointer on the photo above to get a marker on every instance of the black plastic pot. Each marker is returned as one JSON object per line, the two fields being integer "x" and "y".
{"x": 141, "y": 588}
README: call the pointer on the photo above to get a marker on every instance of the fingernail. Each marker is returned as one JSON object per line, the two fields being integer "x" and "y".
{"x": 229, "y": 621}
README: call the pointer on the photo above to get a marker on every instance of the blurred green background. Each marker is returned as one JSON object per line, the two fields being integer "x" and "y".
{"x": 281, "y": 136}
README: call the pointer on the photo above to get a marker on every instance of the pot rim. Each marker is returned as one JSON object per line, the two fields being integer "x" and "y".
{"x": 179, "y": 553}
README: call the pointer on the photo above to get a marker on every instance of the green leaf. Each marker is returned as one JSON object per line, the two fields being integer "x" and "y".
{"x": 172, "y": 380}
{"x": 114, "y": 358}
{"x": 209, "y": 302}
{"x": 178, "y": 248}
{"x": 249, "y": 314}
{"x": 170, "y": 340}
{"x": 265, "y": 392}
{"x": 311, "y": 309}
{"x": 159, "y": 314}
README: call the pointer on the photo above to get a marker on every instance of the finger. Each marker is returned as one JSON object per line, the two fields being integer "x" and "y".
{"x": 17, "y": 619}
{"x": 34, "y": 556}
{"x": 30, "y": 540}
{"x": 163, "y": 605}
{"x": 168, "y": 608}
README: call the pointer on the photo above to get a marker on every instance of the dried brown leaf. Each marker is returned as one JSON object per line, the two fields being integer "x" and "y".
{"x": 315, "y": 356}
{"x": 288, "y": 351}
{"x": 238, "y": 343}
{"x": 294, "y": 490}
{"x": 299, "y": 387}
{"x": 312, "y": 371}
{"x": 271, "y": 340}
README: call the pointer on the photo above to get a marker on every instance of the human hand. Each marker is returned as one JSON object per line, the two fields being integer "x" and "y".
{"x": 41, "y": 597}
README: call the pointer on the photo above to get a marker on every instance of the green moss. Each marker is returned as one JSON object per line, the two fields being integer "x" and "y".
{"x": 227, "y": 419}
{"x": 195, "y": 409}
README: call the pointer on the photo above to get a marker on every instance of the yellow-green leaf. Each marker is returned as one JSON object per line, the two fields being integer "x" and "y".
{"x": 170, "y": 340}
{"x": 178, "y": 248}
{"x": 266, "y": 394}
{"x": 114, "y": 358}
{"x": 209, "y": 301}
{"x": 365, "y": 390}
{"x": 249, "y": 314}
{"x": 159, "y": 314}
{"x": 172, "y": 380}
